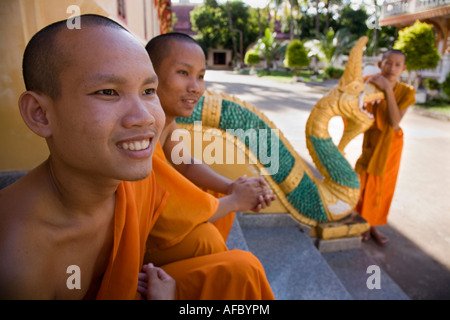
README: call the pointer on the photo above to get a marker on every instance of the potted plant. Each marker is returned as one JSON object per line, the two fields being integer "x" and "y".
{"x": 252, "y": 58}
{"x": 296, "y": 57}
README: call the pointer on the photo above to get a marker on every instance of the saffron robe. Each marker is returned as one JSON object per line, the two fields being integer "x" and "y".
{"x": 182, "y": 231}
{"x": 187, "y": 205}
{"x": 229, "y": 275}
{"x": 137, "y": 207}
{"x": 379, "y": 162}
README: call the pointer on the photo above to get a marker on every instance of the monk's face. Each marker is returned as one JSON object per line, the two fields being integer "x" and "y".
{"x": 181, "y": 79}
{"x": 392, "y": 66}
{"x": 107, "y": 119}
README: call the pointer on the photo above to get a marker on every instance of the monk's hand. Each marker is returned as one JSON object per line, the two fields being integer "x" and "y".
{"x": 380, "y": 82}
{"x": 246, "y": 193}
{"x": 265, "y": 197}
{"x": 155, "y": 284}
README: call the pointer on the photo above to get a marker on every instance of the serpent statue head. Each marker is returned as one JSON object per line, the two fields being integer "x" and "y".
{"x": 351, "y": 88}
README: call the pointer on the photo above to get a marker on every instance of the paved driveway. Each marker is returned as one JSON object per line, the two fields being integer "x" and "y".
{"x": 418, "y": 254}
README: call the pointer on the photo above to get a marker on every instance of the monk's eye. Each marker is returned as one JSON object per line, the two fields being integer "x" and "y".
{"x": 150, "y": 91}
{"x": 107, "y": 92}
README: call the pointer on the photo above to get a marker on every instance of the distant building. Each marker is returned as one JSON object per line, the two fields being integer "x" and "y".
{"x": 403, "y": 13}
{"x": 183, "y": 18}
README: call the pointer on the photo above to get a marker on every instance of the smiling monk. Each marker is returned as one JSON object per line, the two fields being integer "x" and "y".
{"x": 180, "y": 64}
{"x": 77, "y": 225}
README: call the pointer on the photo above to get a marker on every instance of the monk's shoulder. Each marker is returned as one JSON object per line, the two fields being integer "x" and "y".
{"x": 167, "y": 132}
{"x": 405, "y": 88}
{"x": 24, "y": 242}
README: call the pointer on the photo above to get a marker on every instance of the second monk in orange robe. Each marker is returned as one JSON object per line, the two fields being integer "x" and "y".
{"x": 383, "y": 143}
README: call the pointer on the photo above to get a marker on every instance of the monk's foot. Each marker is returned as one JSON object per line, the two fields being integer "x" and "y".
{"x": 365, "y": 236}
{"x": 378, "y": 236}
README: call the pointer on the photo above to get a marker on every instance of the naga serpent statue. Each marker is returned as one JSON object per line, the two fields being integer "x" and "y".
{"x": 308, "y": 199}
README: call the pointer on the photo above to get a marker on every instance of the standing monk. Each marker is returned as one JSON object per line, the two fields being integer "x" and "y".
{"x": 383, "y": 143}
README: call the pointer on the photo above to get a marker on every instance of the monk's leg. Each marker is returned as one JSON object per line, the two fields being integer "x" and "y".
{"x": 202, "y": 240}
{"x": 378, "y": 236}
{"x": 230, "y": 275}
{"x": 224, "y": 225}
{"x": 388, "y": 184}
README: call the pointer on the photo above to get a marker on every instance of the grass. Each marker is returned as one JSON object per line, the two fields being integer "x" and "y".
{"x": 444, "y": 109}
{"x": 439, "y": 105}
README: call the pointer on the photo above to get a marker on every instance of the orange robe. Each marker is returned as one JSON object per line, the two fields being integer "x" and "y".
{"x": 138, "y": 205}
{"x": 379, "y": 162}
{"x": 230, "y": 275}
{"x": 182, "y": 231}
{"x": 224, "y": 224}
{"x": 226, "y": 275}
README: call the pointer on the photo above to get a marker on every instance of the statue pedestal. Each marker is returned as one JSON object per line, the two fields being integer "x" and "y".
{"x": 341, "y": 235}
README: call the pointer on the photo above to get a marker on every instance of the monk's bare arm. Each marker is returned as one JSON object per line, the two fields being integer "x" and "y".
{"x": 241, "y": 194}
{"x": 193, "y": 169}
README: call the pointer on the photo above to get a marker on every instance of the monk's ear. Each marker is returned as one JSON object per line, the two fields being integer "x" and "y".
{"x": 33, "y": 107}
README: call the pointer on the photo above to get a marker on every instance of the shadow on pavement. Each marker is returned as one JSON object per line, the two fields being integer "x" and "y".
{"x": 280, "y": 99}
{"x": 419, "y": 275}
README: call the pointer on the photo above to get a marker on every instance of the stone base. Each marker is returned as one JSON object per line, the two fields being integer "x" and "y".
{"x": 340, "y": 235}
{"x": 352, "y": 226}
{"x": 342, "y": 244}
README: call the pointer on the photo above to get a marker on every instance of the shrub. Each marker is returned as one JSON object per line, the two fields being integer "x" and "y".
{"x": 333, "y": 73}
{"x": 296, "y": 56}
{"x": 418, "y": 44}
{"x": 446, "y": 86}
{"x": 432, "y": 84}
{"x": 251, "y": 57}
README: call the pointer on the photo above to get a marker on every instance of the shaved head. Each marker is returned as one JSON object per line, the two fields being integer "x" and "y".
{"x": 394, "y": 51}
{"x": 159, "y": 47}
{"x": 45, "y": 58}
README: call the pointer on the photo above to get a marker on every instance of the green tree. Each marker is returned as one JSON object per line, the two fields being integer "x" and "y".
{"x": 418, "y": 44}
{"x": 296, "y": 56}
{"x": 354, "y": 21}
{"x": 211, "y": 22}
{"x": 385, "y": 38}
{"x": 208, "y": 22}
{"x": 268, "y": 47}
{"x": 328, "y": 47}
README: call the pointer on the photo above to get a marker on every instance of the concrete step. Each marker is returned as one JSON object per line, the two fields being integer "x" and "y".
{"x": 236, "y": 238}
{"x": 294, "y": 267}
{"x": 355, "y": 269}
{"x": 297, "y": 270}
